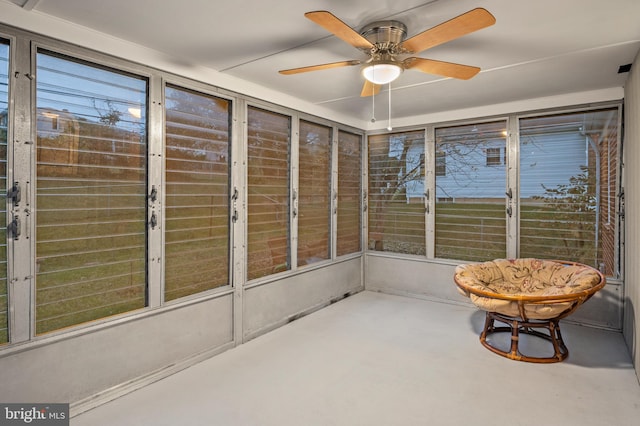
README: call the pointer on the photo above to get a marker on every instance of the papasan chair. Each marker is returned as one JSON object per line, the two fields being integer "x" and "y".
{"x": 527, "y": 295}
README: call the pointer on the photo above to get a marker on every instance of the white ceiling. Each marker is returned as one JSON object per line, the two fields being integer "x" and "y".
{"x": 537, "y": 48}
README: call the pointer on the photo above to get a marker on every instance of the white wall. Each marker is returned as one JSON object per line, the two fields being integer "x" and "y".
{"x": 558, "y": 101}
{"x": 632, "y": 214}
{"x": 272, "y": 305}
{"x": 91, "y": 366}
{"x": 433, "y": 280}
{"x": 80, "y": 365}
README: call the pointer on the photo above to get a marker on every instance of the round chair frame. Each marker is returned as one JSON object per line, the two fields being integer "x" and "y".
{"x": 522, "y": 324}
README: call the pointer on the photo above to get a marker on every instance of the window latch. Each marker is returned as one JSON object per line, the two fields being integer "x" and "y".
{"x": 15, "y": 194}
{"x": 14, "y": 228}
{"x": 153, "y": 195}
{"x": 509, "y": 211}
{"x": 509, "y": 194}
{"x": 621, "y": 204}
{"x": 153, "y": 222}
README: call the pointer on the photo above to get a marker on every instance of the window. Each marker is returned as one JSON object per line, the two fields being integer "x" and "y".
{"x": 91, "y": 193}
{"x": 268, "y": 235}
{"x": 349, "y": 189}
{"x": 470, "y": 222}
{"x": 197, "y": 192}
{"x": 4, "y": 127}
{"x": 441, "y": 163}
{"x": 568, "y": 182}
{"x": 314, "y": 193}
{"x": 495, "y": 157}
{"x": 396, "y": 193}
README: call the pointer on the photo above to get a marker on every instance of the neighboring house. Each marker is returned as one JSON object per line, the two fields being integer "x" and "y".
{"x": 478, "y": 170}
{"x": 58, "y": 137}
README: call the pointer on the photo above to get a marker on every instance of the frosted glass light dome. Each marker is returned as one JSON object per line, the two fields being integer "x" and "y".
{"x": 381, "y": 73}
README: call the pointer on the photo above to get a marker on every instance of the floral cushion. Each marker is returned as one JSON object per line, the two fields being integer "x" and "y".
{"x": 524, "y": 277}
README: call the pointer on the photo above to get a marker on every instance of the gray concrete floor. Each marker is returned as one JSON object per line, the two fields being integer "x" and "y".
{"x": 376, "y": 359}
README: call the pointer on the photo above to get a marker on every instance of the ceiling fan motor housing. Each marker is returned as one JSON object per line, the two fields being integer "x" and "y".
{"x": 386, "y": 36}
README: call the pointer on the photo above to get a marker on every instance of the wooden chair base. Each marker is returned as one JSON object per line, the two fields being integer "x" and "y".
{"x": 516, "y": 326}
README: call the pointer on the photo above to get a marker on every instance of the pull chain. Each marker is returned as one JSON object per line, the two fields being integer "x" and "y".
{"x": 389, "y": 128}
{"x": 373, "y": 106}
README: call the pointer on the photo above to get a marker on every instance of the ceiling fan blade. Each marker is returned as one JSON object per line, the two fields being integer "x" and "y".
{"x": 370, "y": 89}
{"x": 445, "y": 69}
{"x": 466, "y": 23}
{"x": 331, "y": 23}
{"x": 320, "y": 67}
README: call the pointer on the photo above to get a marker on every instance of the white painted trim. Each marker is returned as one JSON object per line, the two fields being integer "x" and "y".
{"x": 30, "y": 4}
{"x": 568, "y": 99}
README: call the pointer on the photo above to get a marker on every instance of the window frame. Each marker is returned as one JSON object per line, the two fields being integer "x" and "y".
{"x": 510, "y": 157}
{"x": 60, "y": 51}
{"x": 329, "y": 223}
{"x": 336, "y": 197}
{"x": 292, "y": 256}
{"x": 203, "y": 90}
{"x": 10, "y": 174}
{"x": 618, "y": 231}
{"x": 476, "y": 142}
{"x": 24, "y": 47}
{"x": 493, "y": 160}
{"x": 381, "y": 201}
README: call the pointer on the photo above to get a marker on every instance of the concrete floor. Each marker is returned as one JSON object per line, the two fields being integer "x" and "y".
{"x": 376, "y": 359}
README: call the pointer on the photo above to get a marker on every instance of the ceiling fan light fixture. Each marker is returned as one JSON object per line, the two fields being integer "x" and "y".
{"x": 381, "y": 72}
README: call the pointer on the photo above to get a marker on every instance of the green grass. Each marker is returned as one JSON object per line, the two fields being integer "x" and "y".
{"x": 477, "y": 232}
{"x": 470, "y": 231}
{"x": 91, "y": 259}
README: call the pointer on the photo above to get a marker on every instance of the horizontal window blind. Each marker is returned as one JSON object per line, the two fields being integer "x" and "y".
{"x": 268, "y": 236}
{"x": 396, "y": 193}
{"x": 470, "y": 221}
{"x": 349, "y": 190}
{"x": 568, "y": 183}
{"x": 91, "y": 192}
{"x": 314, "y": 188}
{"x": 197, "y": 192}
{"x": 4, "y": 127}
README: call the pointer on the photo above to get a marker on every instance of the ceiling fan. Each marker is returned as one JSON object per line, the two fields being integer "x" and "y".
{"x": 385, "y": 43}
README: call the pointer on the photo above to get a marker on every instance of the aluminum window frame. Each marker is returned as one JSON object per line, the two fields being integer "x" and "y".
{"x": 512, "y": 156}
{"x": 21, "y": 299}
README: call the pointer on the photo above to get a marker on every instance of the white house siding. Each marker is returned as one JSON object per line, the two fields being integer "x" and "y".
{"x": 546, "y": 161}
